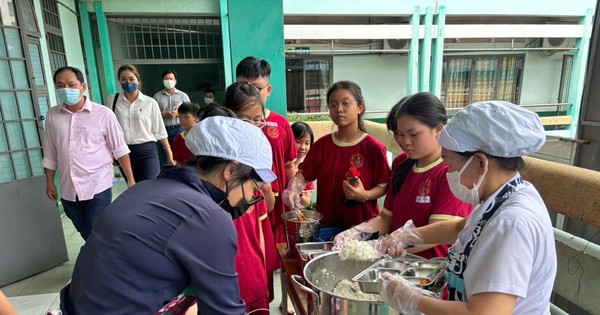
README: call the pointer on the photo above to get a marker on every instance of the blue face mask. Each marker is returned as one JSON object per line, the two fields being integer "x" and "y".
{"x": 68, "y": 96}
{"x": 207, "y": 100}
{"x": 129, "y": 87}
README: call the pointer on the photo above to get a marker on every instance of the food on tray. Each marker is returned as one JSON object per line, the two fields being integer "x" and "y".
{"x": 424, "y": 282}
{"x": 357, "y": 250}
{"x": 350, "y": 290}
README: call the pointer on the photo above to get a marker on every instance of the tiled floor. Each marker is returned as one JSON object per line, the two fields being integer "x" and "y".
{"x": 39, "y": 293}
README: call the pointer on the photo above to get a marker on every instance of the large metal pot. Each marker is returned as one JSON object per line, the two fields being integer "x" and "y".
{"x": 322, "y": 274}
{"x": 300, "y": 231}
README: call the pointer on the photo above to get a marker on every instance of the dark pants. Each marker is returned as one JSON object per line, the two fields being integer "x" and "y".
{"x": 85, "y": 213}
{"x": 144, "y": 161}
{"x": 172, "y": 132}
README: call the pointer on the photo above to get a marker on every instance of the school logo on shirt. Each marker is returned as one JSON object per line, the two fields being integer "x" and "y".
{"x": 424, "y": 192}
{"x": 273, "y": 132}
{"x": 357, "y": 160}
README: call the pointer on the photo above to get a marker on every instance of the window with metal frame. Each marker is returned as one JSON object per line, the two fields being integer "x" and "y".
{"x": 565, "y": 79}
{"x": 471, "y": 79}
{"x": 20, "y": 146}
{"x": 54, "y": 36}
{"x": 144, "y": 40}
{"x": 307, "y": 83}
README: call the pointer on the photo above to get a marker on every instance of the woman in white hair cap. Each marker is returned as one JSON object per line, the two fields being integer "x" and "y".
{"x": 503, "y": 260}
{"x": 175, "y": 231}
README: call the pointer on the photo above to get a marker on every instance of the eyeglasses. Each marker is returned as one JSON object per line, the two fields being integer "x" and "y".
{"x": 260, "y": 89}
{"x": 345, "y": 105}
{"x": 260, "y": 123}
{"x": 257, "y": 196}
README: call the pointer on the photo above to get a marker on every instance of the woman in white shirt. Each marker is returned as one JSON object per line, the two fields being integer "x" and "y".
{"x": 142, "y": 123}
{"x": 504, "y": 259}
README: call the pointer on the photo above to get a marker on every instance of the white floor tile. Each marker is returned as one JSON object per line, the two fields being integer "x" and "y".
{"x": 33, "y": 304}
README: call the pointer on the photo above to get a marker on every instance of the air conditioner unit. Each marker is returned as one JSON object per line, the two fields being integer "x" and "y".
{"x": 558, "y": 42}
{"x": 395, "y": 44}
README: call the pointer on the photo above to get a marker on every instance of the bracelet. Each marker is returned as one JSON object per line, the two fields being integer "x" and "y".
{"x": 367, "y": 197}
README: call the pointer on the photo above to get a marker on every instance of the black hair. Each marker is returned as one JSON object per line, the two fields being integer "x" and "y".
{"x": 214, "y": 110}
{"x": 357, "y": 93}
{"x": 78, "y": 74}
{"x": 210, "y": 165}
{"x": 188, "y": 108}
{"x": 301, "y": 130}
{"x": 509, "y": 164}
{"x": 253, "y": 68}
{"x": 424, "y": 107}
{"x": 240, "y": 95}
{"x": 169, "y": 71}
{"x": 208, "y": 90}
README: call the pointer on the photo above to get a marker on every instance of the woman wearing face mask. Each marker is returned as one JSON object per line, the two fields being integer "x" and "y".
{"x": 177, "y": 230}
{"x": 142, "y": 123}
{"x": 503, "y": 260}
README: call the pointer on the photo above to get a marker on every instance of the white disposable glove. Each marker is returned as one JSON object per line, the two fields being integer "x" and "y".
{"x": 396, "y": 243}
{"x": 402, "y": 295}
{"x": 291, "y": 195}
{"x": 361, "y": 232}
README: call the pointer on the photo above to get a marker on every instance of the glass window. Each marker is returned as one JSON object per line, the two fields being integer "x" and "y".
{"x": 13, "y": 41}
{"x": 5, "y": 80}
{"x": 471, "y": 79}
{"x": 31, "y": 134}
{"x": 3, "y": 142}
{"x": 308, "y": 81}
{"x": 3, "y": 53}
{"x": 21, "y": 163}
{"x": 9, "y": 106}
{"x": 565, "y": 79}
{"x": 43, "y": 104}
{"x": 20, "y": 74}
{"x": 15, "y": 135}
{"x": 28, "y": 22}
{"x": 35, "y": 157}
{"x": 25, "y": 105}
{"x": 6, "y": 171}
{"x": 9, "y": 15}
{"x": 36, "y": 64}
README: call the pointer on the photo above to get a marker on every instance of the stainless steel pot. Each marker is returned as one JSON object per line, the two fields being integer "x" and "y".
{"x": 300, "y": 231}
{"x": 322, "y": 274}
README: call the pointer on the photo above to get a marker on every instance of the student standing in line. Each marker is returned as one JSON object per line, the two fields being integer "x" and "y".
{"x": 80, "y": 141}
{"x": 188, "y": 116}
{"x": 418, "y": 189}
{"x": 344, "y": 197}
{"x": 304, "y": 140}
{"x": 277, "y": 129}
{"x": 142, "y": 123}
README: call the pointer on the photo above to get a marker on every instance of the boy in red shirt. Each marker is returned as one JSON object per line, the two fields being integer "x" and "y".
{"x": 188, "y": 118}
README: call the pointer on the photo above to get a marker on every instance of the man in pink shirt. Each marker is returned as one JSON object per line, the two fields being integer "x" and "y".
{"x": 80, "y": 141}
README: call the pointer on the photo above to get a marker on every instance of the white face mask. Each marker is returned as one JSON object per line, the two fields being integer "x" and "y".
{"x": 169, "y": 84}
{"x": 459, "y": 190}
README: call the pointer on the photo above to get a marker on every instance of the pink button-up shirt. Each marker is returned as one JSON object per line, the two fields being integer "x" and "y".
{"x": 80, "y": 146}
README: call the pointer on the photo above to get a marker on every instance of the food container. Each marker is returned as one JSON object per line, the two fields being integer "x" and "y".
{"x": 427, "y": 274}
{"x": 309, "y": 250}
{"x": 322, "y": 274}
{"x": 300, "y": 227}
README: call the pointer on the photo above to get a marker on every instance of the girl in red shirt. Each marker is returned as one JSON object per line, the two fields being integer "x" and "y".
{"x": 344, "y": 197}
{"x": 304, "y": 140}
{"x": 418, "y": 189}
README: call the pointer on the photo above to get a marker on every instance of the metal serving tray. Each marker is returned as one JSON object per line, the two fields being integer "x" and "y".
{"x": 426, "y": 274}
{"x": 310, "y": 249}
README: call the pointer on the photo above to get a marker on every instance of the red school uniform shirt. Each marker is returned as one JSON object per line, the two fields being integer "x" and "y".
{"x": 250, "y": 259}
{"x": 424, "y": 195}
{"x": 181, "y": 153}
{"x": 283, "y": 144}
{"x": 328, "y": 162}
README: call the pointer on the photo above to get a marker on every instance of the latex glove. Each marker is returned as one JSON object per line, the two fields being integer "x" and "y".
{"x": 400, "y": 294}
{"x": 396, "y": 243}
{"x": 361, "y": 232}
{"x": 291, "y": 195}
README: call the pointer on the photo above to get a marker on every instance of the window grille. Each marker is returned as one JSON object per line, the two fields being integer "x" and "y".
{"x": 141, "y": 40}
{"x": 307, "y": 82}
{"x": 54, "y": 37}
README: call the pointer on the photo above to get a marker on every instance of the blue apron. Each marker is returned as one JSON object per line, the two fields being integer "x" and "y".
{"x": 457, "y": 261}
